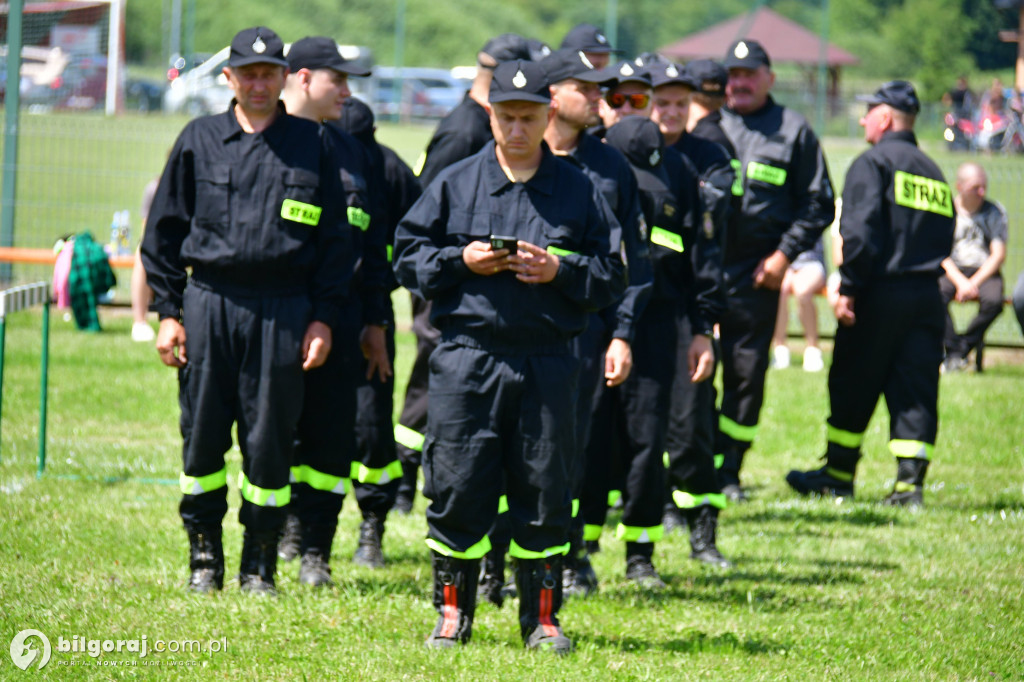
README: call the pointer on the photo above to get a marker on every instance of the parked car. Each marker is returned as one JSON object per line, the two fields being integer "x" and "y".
{"x": 143, "y": 95}
{"x": 41, "y": 80}
{"x": 426, "y": 92}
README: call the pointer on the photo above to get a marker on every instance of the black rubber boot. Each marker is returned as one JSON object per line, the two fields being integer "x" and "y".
{"x": 578, "y": 577}
{"x": 492, "y": 576}
{"x": 205, "y": 559}
{"x": 259, "y": 562}
{"x": 454, "y": 599}
{"x": 370, "y": 552}
{"x": 835, "y": 479}
{"x": 316, "y": 555}
{"x": 640, "y": 567}
{"x": 729, "y": 475}
{"x": 703, "y": 522}
{"x": 291, "y": 538}
{"x": 909, "y": 489}
{"x": 540, "y": 598}
{"x": 673, "y": 518}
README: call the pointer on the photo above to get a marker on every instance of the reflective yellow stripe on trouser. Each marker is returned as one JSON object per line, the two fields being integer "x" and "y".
{"x": 319, "y": 480}
{"x": 845, "y": 439}
{"x": 911, "y": 448}
{"x": 475, "y": 552}
{"x": 365, "y": 474}
{"x": 685, "y": 500}
{"x": 639, "y": 534}
{"x": 263, "y": 497}
{"x": 745, "y": 434}
{"x": 409, "y": 438}
{"x": 518, "y": 552}
{"x": 197, "y": 485}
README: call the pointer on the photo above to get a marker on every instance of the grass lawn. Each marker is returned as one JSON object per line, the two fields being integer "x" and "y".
{"x": 820, "y": 591}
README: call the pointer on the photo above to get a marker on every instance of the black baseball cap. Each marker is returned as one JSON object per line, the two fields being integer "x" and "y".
{"x": 357, "y": 119}
{"x": 563, "y": 64}
{"x": 588, "y": 38}
{"x": 746, "y": 54}
{"x": 505, "y": 48}
{"x": 667, "y": 73}
{"x": 318, "y": 52}
{"x": 643, "y": 145}
{"x": 897, "y": 94}
{"x": 538, "y": 49}
{"x": 708, "y": 76}
{"x": 257, "y": 45}
{"x": 521, "y": 80}
{"x": 626, "y": 72}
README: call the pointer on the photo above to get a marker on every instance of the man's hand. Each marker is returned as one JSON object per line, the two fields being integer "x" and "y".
{"x": 480, "y": 259}
{"x": 618, "y": 362}
{"x": 700, "y": 359}
{"x": 373, "y": 342}
{"x": 966, "y": 290}
{"x": 533, "y": 264}
{"x": 316, "y": 345}
{"x": 770, "y": 271}
{"x": 843, "y": 308}
{"x": 170, "y": 343}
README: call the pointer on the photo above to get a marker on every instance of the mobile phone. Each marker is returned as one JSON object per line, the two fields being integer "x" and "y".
{"x": 500, "y": 242}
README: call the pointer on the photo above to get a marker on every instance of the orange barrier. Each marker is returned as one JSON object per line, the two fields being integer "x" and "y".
{"x": 17, "y": 254}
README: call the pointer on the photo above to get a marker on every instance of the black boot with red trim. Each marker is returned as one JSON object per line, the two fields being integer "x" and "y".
{"x": 540, "y": 598}
{"x": 455, "y": 583}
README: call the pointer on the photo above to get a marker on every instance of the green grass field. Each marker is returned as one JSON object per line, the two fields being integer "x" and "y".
{"x": 854, "y": 591}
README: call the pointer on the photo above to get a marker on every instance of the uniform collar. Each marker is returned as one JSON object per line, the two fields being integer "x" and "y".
{"x": 768, "y": 104}
{"x": 233, "y": 130}
{"x": 900, "y": 136}
{"x": 543, "y": 180}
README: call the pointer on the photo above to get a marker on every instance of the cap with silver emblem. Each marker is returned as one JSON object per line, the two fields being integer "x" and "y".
{"x": 257, "y": 45}
{"x": 519, "y": 81}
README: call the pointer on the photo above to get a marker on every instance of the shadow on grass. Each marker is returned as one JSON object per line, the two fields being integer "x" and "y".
{"x": 861, "y": 514}
{"x": 690, "y": 642}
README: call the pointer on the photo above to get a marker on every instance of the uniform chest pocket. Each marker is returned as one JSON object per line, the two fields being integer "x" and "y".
{"x": 356, "y": 200}
{"x": 471, "y": 226}
{"x": 301, "y": 203}
{"x": 213, "y": 191}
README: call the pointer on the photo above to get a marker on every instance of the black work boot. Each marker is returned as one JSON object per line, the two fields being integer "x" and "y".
{"x": 369, "y": 552}
{"x": 291, "y": 538}
{"x": 540, "y": 598}
{"x": 729, "y": 475}
{"x": 205, "y": 559}
{"x": 640, "y": 567}
{"x": 406, "y": 489}
{"x": 578, "y": 577}
{"x": 703, "y": 521}
{"x": 259, "y": 562}
{"x": 315, "y": 569}
{"x": 909, "y": 489}
{"x": 454, "y": 599}
{"x": 673, "y": 518}
{"x": 835, "y": 479}
{"x": 492, "y": 576}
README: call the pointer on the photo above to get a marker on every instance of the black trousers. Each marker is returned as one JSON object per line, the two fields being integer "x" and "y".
{"x": 498, "y": 423}
{"x": 894, "y": 349}
{"x": 690, "y": 437}
{"x": 990, "y": 304}
{"x": 245, "y": 368}
{"x": 627, "y": 432}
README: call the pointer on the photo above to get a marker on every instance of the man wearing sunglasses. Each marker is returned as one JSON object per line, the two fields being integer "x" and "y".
{"x": 604, "y": 348}
{"x": 629, "y": 94}
{"x": 787, "y": 203}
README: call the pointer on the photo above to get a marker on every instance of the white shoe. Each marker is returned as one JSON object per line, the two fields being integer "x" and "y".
{"x": 142, "y": 332}
{"x": 812, "y": 360}
{"x": 780, "y": 357}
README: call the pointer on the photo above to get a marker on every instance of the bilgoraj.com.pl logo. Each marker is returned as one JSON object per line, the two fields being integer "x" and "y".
{"x": 25, "y": 651}
{"x": 31, "y": 648}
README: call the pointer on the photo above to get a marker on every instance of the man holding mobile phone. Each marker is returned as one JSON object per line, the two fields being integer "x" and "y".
{"x": 503, "y": 377}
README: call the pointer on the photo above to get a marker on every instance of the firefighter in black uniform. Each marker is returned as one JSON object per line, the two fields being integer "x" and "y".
{"x": 638, "y": 409}
{"x": 316, "y": 87}
{"x": 897, "y": 226}
{"x": 694, "y": 493}
{"x": 787, "y": 203}
{"x": 604, "y": 346}
{"x": 709, "y": 79}
{"x": 247, "y": 202}
{"x": 377, "y": 472}
{"x": 459, "y": 135}
{"x": 592, "y": 42}
{"x": 513, "y": 247}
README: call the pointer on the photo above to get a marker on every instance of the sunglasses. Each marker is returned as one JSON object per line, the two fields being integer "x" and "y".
{"x": 639, "y": 100}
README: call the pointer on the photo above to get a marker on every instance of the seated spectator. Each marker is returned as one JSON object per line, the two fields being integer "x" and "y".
{"x": 972, "y": 270}
{"x": 803, "y": 280}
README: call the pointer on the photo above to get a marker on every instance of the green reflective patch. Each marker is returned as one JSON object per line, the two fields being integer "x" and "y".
{"x": 518, "y": 552}
{"x": 591, "y": 532}
{"x": 197, "y": 485}
{"x": 477, "y": 551}
{"x": 639, "y": 533}
{"x": 613, "y": 497}
{"x": 846, "y": 439}
{"x": 719, "y": 460}
{"x": 319, "y": 480}
{"x": 357, "y": 217}
{"x": 263, "y": 497}
{"x": 839, "y": 475}
{"x": 745, "y": 434}
{"x": 765, "y": 173}
{"x": 409, "y": 438}
{"x": 911, "y": 448}
{"x": 670, "y": 240}
{"x": 298, "y": 212}
{"x": 559, "y": 251}
{"x": 365, "y": 474}
{"x": 902, "y": 487}
{"x": 503, "y": 504}
{"x": 391, "y": 252}
{"x": 420, "y": 162}
{"x": 685, "y": 500}
{"x": 575, "y": 508}
{"x": 923, "y": 194}
{"x": 665, "y": 459}
{"x": 737, "y": 183}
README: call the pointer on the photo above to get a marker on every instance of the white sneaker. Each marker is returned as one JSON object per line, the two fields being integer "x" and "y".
{"x": 780, "y": 357}
{"x": 142, "y": 332}
{"x": 812, "y": 360}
